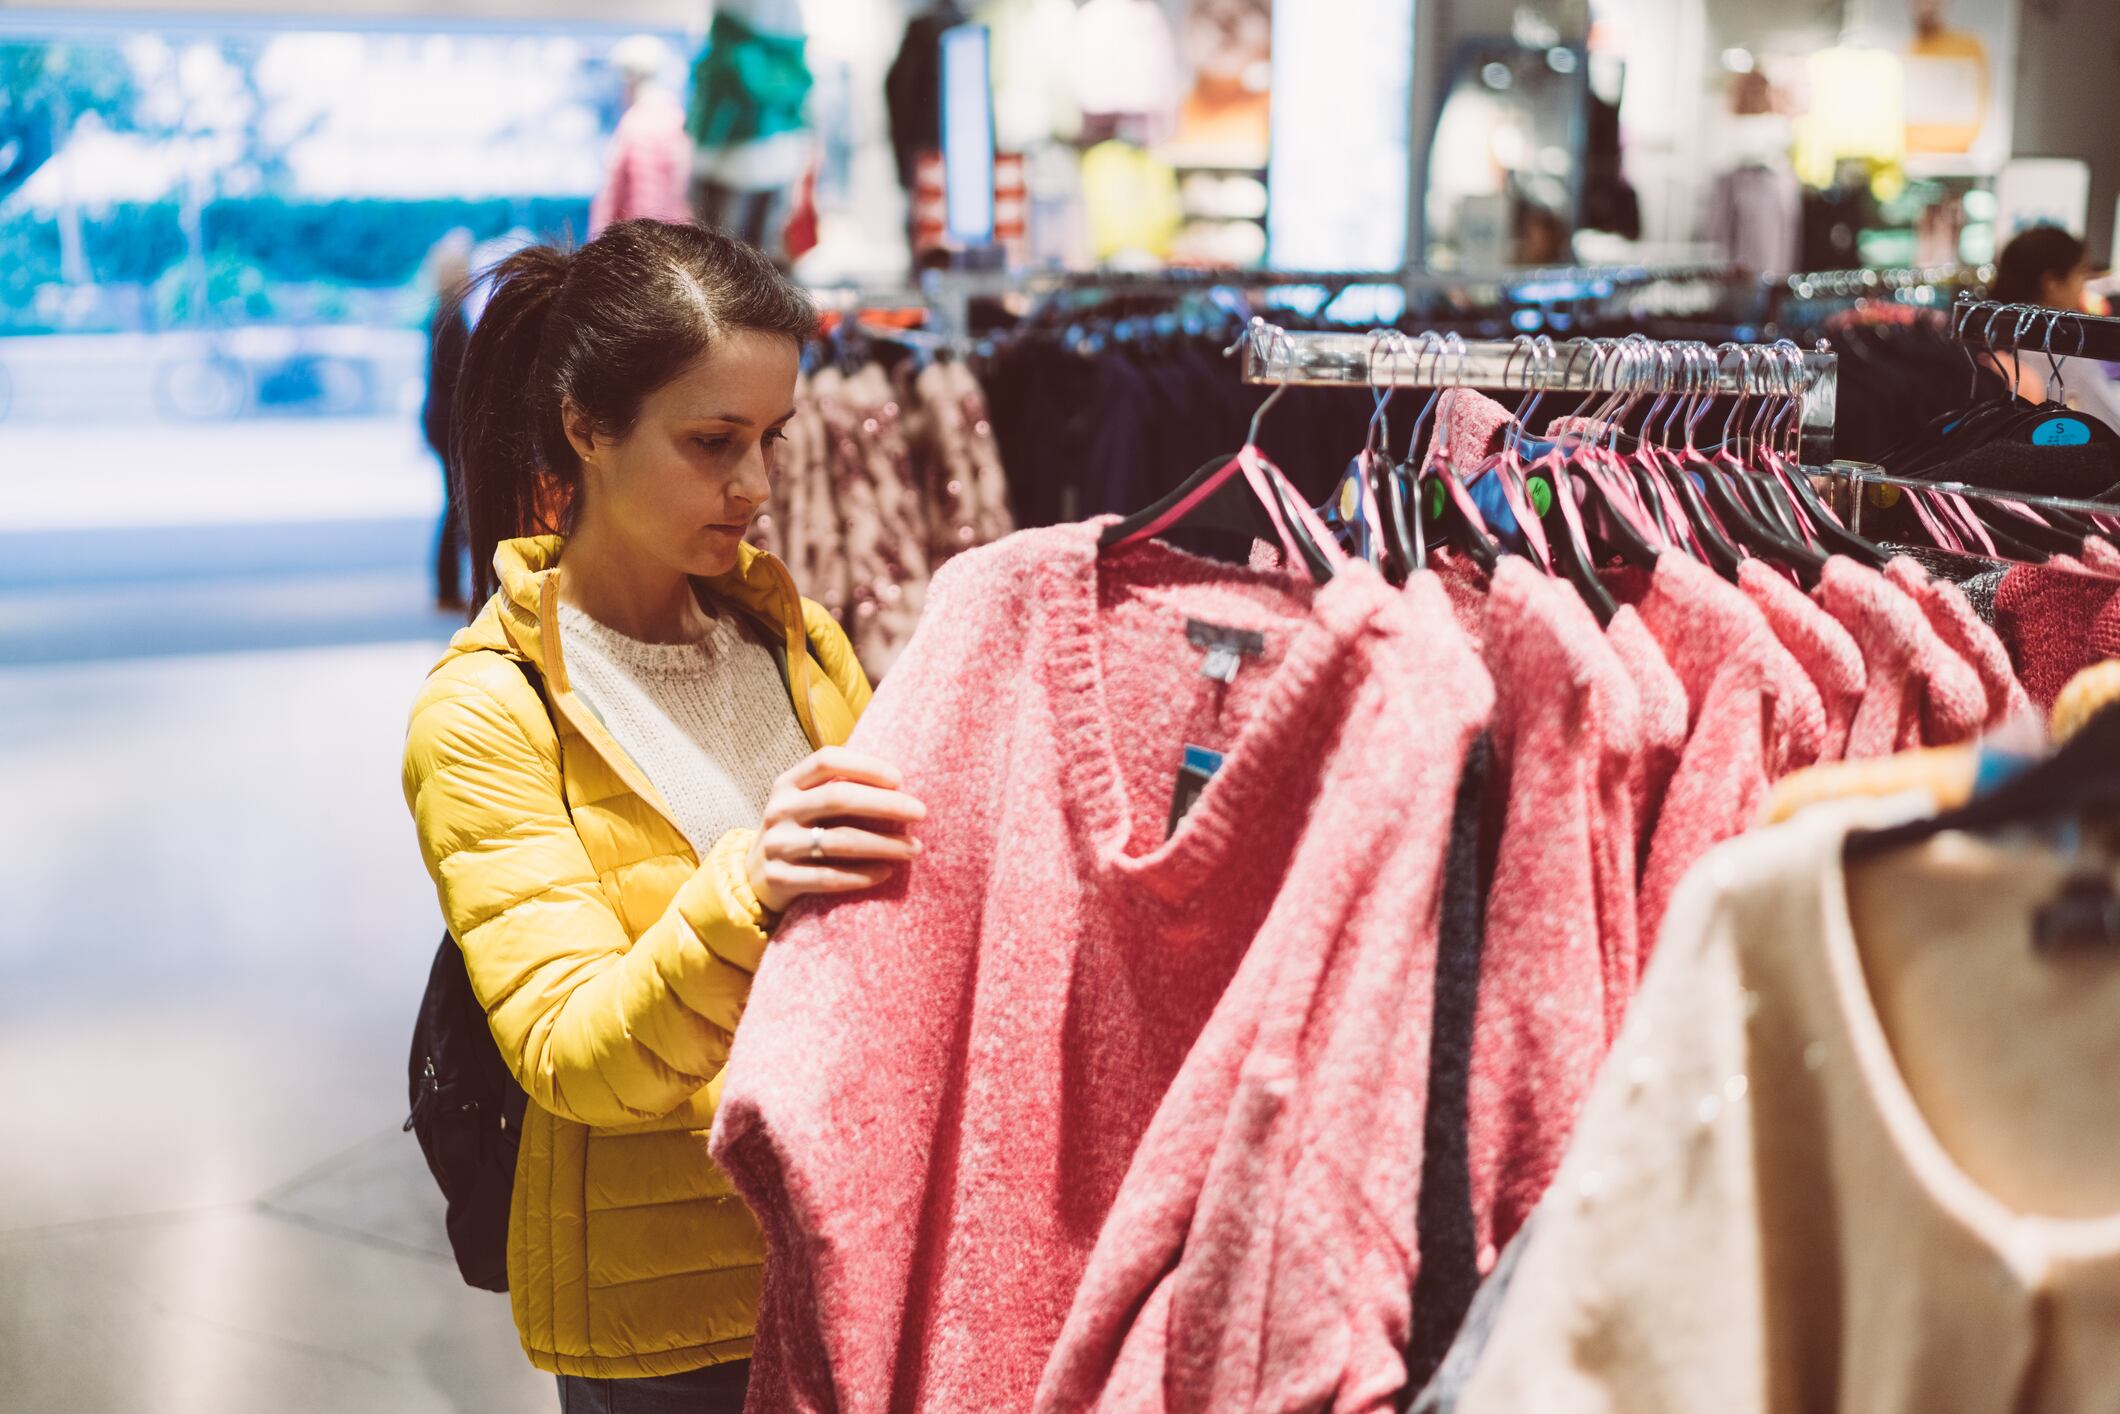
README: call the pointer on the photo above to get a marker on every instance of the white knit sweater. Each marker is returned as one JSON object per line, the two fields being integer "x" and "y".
{"x": 709, "y": 722}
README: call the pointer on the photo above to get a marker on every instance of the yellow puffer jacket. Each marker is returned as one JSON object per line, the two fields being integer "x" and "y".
{"x": 613, "y": 968}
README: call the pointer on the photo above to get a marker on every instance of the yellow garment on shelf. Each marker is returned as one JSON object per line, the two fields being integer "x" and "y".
{"x": 1948, "y": 82}
{"x": 2088, "y": 693}
{"x": 1946, "y": 773}
{"x": 1131, "y": 196}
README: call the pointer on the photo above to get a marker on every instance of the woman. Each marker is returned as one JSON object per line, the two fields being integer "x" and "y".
{"x": 2047, "y": 267}
{"x": 613, "y": 868}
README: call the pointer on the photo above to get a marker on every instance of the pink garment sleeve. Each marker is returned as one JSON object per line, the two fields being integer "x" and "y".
{"x": 1665, "y": 713}
{"x": 1820, "y": 646}
{"x": 1757, "y": 717}
{"x": 1920, "y": 692}
{"x": 2044, "y": 613}
{"x": 1967, "y": 635}
{"x": 1559, "y": 963}
{"x": 836, "y": 1088}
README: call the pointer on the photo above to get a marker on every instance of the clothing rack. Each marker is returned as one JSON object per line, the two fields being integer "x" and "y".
{"x": 1916, "y": 284}
{"x": 950, "y": 292}
{"x": 1852, "y": 476}
{"x": 1303, "y": 359}
{"x": 2035, "y": 329}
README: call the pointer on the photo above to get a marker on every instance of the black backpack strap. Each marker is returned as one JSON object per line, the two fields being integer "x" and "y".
{"x": 536, "y": 680}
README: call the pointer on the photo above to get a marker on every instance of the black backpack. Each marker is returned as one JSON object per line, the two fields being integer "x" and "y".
{"x": 467, "y": 1109}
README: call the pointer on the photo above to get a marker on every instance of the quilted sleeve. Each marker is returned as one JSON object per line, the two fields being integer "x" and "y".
{"x": 599, "y": 1028}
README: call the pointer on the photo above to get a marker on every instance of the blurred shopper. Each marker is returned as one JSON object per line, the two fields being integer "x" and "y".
{"x": 2047, "y": 267}
{"x": 1755, "y": 205}
{"x": 749, "y": 122}
{"x": 448, "y": 333}
{"x": 651, "y": 157}
{"x": 614, "y": 847}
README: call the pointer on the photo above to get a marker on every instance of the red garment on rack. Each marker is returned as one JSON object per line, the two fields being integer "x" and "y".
{"x": 1560, "y": 960}
{"x": 1756, "y": 716}
{"x": 1968, "y": 635}
{"x": 1819, "y": 644}
{"x": 2056, "y": 619}
{"x": 1920, "y": 692}
{"x": 1210, "y": 1049}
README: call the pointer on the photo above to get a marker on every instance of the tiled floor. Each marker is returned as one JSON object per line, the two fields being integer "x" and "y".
{"x": 213, "y": 931}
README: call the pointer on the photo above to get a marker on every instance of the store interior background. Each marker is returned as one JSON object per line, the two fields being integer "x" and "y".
{"x": 214, "y": 596}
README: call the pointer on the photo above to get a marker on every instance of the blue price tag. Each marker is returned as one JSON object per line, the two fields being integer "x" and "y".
{"x": 1197, "y": 769}
{"x": 1200, "y": 760}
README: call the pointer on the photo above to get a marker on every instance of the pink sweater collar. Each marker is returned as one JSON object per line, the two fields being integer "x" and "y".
{"x": 1311, "y": 685}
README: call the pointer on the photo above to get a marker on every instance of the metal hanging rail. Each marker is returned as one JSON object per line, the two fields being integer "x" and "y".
{"x": 2035, "y": 329}
{"x": 1858, "y": 474}
{"x": 1304, "y": 359}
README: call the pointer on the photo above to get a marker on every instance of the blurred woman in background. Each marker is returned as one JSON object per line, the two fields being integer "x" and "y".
{"x": 2047, "y": 267}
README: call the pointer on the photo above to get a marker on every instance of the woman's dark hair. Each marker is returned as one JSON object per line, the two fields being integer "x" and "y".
{"x": 603, "y": 327}
{"x": 2032, "y": 257}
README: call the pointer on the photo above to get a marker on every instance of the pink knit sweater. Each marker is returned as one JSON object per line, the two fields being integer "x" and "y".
{"x": 1209, "y": 1049}
{"x": 1756, "y": 716}
{"x": 1665, "y": 713}
{"x": 1920, "y": 692}
{"x": 1561, "y": 956}
{"x": 1820, "y": 646}
{"x": 1967, "y": 635}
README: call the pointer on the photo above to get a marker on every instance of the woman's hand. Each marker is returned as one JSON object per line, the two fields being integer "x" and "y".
{"x": 833, "y": 826}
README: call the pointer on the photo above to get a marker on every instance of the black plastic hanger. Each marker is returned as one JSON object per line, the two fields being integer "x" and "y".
{"x": 1787, "y": 361}
{"x": 1716, "y": 485}
{"x": 1230, "y": 505}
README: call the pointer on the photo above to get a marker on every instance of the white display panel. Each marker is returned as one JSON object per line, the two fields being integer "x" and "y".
{"x": 1342, "y": 113}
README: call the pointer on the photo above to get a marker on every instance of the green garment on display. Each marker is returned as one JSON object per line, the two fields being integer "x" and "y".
{"x": 747, "y": 85}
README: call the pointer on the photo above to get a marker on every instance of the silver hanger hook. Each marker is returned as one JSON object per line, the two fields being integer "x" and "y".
{"x": 1276, "y": 341}
{"x": 1745, "y": 381}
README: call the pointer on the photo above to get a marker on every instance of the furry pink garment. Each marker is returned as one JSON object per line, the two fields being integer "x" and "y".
{"x": 1470, "y": 424}
{"x": 1968, "y": 635}
{"x": 649, "y": 165}
{"x": 1466, "y": 585}
{"x": 1665, "y": 712}
{"x": 1260, "y": 1253}
{"x": 1920, "y": 692}
{"x": 1756, "y": 717}
{"x": 1060, "y": 1022}
{"x": 1560, "y": 960}
{"x": 1819, "y": 644}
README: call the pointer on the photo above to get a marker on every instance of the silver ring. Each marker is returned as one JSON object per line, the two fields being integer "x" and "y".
{"x": 816, "y": 841}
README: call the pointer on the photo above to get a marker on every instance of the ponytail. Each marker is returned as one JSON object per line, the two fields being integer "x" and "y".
{"x": 601, "y": 327}
{"x": 502, "y": 450}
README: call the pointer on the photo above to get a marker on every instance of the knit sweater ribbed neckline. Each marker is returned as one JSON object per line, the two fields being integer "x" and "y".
{"x": 1320, "y": 623}
{"x": 662, "y": 660}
